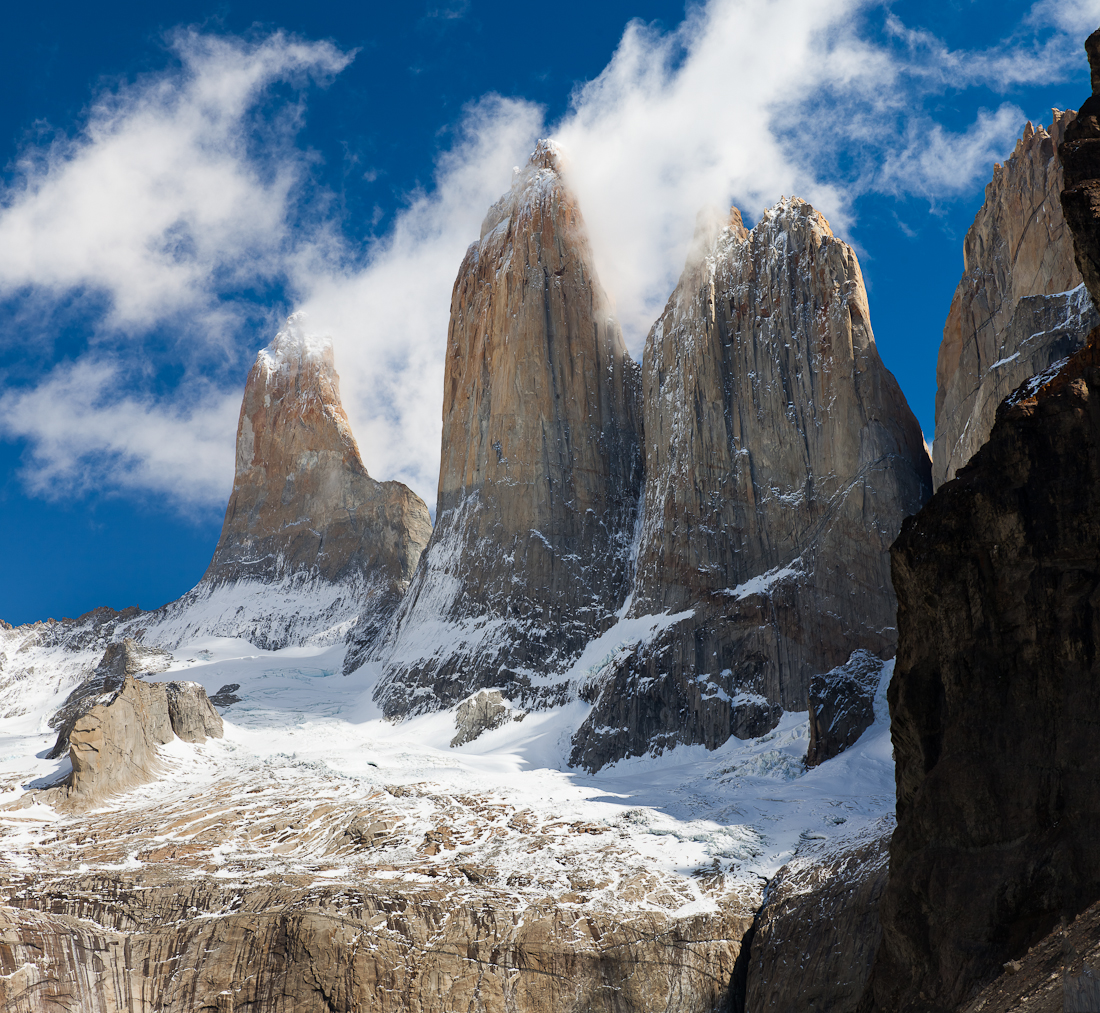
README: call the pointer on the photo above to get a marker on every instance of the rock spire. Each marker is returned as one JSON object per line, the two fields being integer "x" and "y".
{"x": 781, "y": 457}
{"x": 303, "y": 507}
{"x": 1020, "y": 305}
{"x": 541, "y": 464}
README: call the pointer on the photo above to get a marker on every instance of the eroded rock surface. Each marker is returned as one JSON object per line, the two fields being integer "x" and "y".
{"x": 994, "y": 701}
{"x": 781, "y": 459}
{"x": 1019, "y": 306}
{"x": 540, "y": 471}
{"x": 1080, "y": 158}
{"x": 815, "y": 937}
{"x": 113, "y": 746}
{"x": 407, "y": 898}
{"x": 303, "y": 504}
{"x": 842, "y": 706}
{"x": 120, "y": 659}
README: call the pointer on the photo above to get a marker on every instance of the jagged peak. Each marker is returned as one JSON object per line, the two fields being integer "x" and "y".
{"x": 296, "y": 345}
{"x": 788, "y": 211}
{"x": 542, "y": 173}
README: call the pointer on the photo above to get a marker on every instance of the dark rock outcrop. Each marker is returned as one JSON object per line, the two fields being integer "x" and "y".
{"x": 227, "y": 695}
{"x": 995, "y": 701}
{"x": 815, "y": 937}
{"x": 541, "y": 466}
{"x": 1080, "y": 156}
{"x": 842, "y": 706}
{"x": 1019, "y": 306}
{"x": 781, "y": 459}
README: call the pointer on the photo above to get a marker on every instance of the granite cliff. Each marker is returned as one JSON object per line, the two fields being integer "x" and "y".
{"x": 541, "y": 466}
{"x": 781, "y": 458}
{"x": 1020, "y": 306}
{"x": 304, "y": 518}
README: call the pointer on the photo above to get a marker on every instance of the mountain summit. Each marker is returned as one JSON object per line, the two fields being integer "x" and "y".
{"x": 302, "y": 500}
{"x": 541, "y": 463}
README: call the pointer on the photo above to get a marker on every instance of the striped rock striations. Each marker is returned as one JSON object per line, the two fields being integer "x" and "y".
{"x": 541, "y": 465}
{"x": 1020, "y": 306}
{"x": 304, "y": 512}
{"x": 781, "y": 458}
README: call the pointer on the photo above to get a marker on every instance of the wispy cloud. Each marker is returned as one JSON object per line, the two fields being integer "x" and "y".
{"x": 177, "y": 191}
{"x": 165, "y": 209}
{"x": 86, "y": 435}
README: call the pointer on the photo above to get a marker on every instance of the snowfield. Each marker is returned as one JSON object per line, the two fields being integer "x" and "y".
{"x": 310, "y": 781}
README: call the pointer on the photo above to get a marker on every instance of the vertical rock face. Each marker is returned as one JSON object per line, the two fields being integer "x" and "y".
{"x": 303, "y": 508}
{"x": 995, "y": 699}
{"x": 996, "y": 690}
{"x": 302, "y": 500}
{"x": 1019, "y": 306}
{"x": 781, "y": 457}
{"x": 1080, "y": 157}
{"x": 541, "y": 464}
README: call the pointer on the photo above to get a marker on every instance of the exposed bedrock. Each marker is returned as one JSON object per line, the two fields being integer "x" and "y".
{"x": 842, "y": 706}
{"x": 135, "y": 944}
{"x": 541, "y": 465}
{"x": 995, "y": 701}
{"x": 113, "y": 740}
{"x": 1080, "y": 158}
{"x": 815, "y": 937}
{"x": 1019, "y": 307}
{"x": 302, "y": 502}
{"x": 781, "y": 457}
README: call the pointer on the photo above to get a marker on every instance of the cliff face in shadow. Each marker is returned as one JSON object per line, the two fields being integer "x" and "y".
{"x": 995, "y": 701}
{"x": 781, "y": 457}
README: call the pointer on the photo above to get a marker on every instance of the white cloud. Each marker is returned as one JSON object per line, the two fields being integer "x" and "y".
{"x": 85, "y": 437}
{"x": 161, "y": 205}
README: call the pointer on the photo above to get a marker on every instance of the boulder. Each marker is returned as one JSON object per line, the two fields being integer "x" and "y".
{"x": 191, "y": 713}
{"x": 842, "y": 706}
{"x": 481, "y": 712}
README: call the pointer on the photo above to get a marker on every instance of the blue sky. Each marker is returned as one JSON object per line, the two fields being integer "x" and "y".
{"x": 177, "y": 181}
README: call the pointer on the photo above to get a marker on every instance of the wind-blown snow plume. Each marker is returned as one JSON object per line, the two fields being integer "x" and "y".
{"x": 162, "y": 211}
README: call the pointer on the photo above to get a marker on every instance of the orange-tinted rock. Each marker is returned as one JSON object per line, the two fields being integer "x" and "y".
{"x": 302, "y": 500}
{"x": 1018, "y": 307}
{"x": 541, "y": 464}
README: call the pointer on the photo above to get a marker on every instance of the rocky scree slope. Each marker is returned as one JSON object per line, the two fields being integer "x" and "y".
{"x": 541, "y": 466}
{"x": 1020, "y": 307}
{"x": 781, "y": 458}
